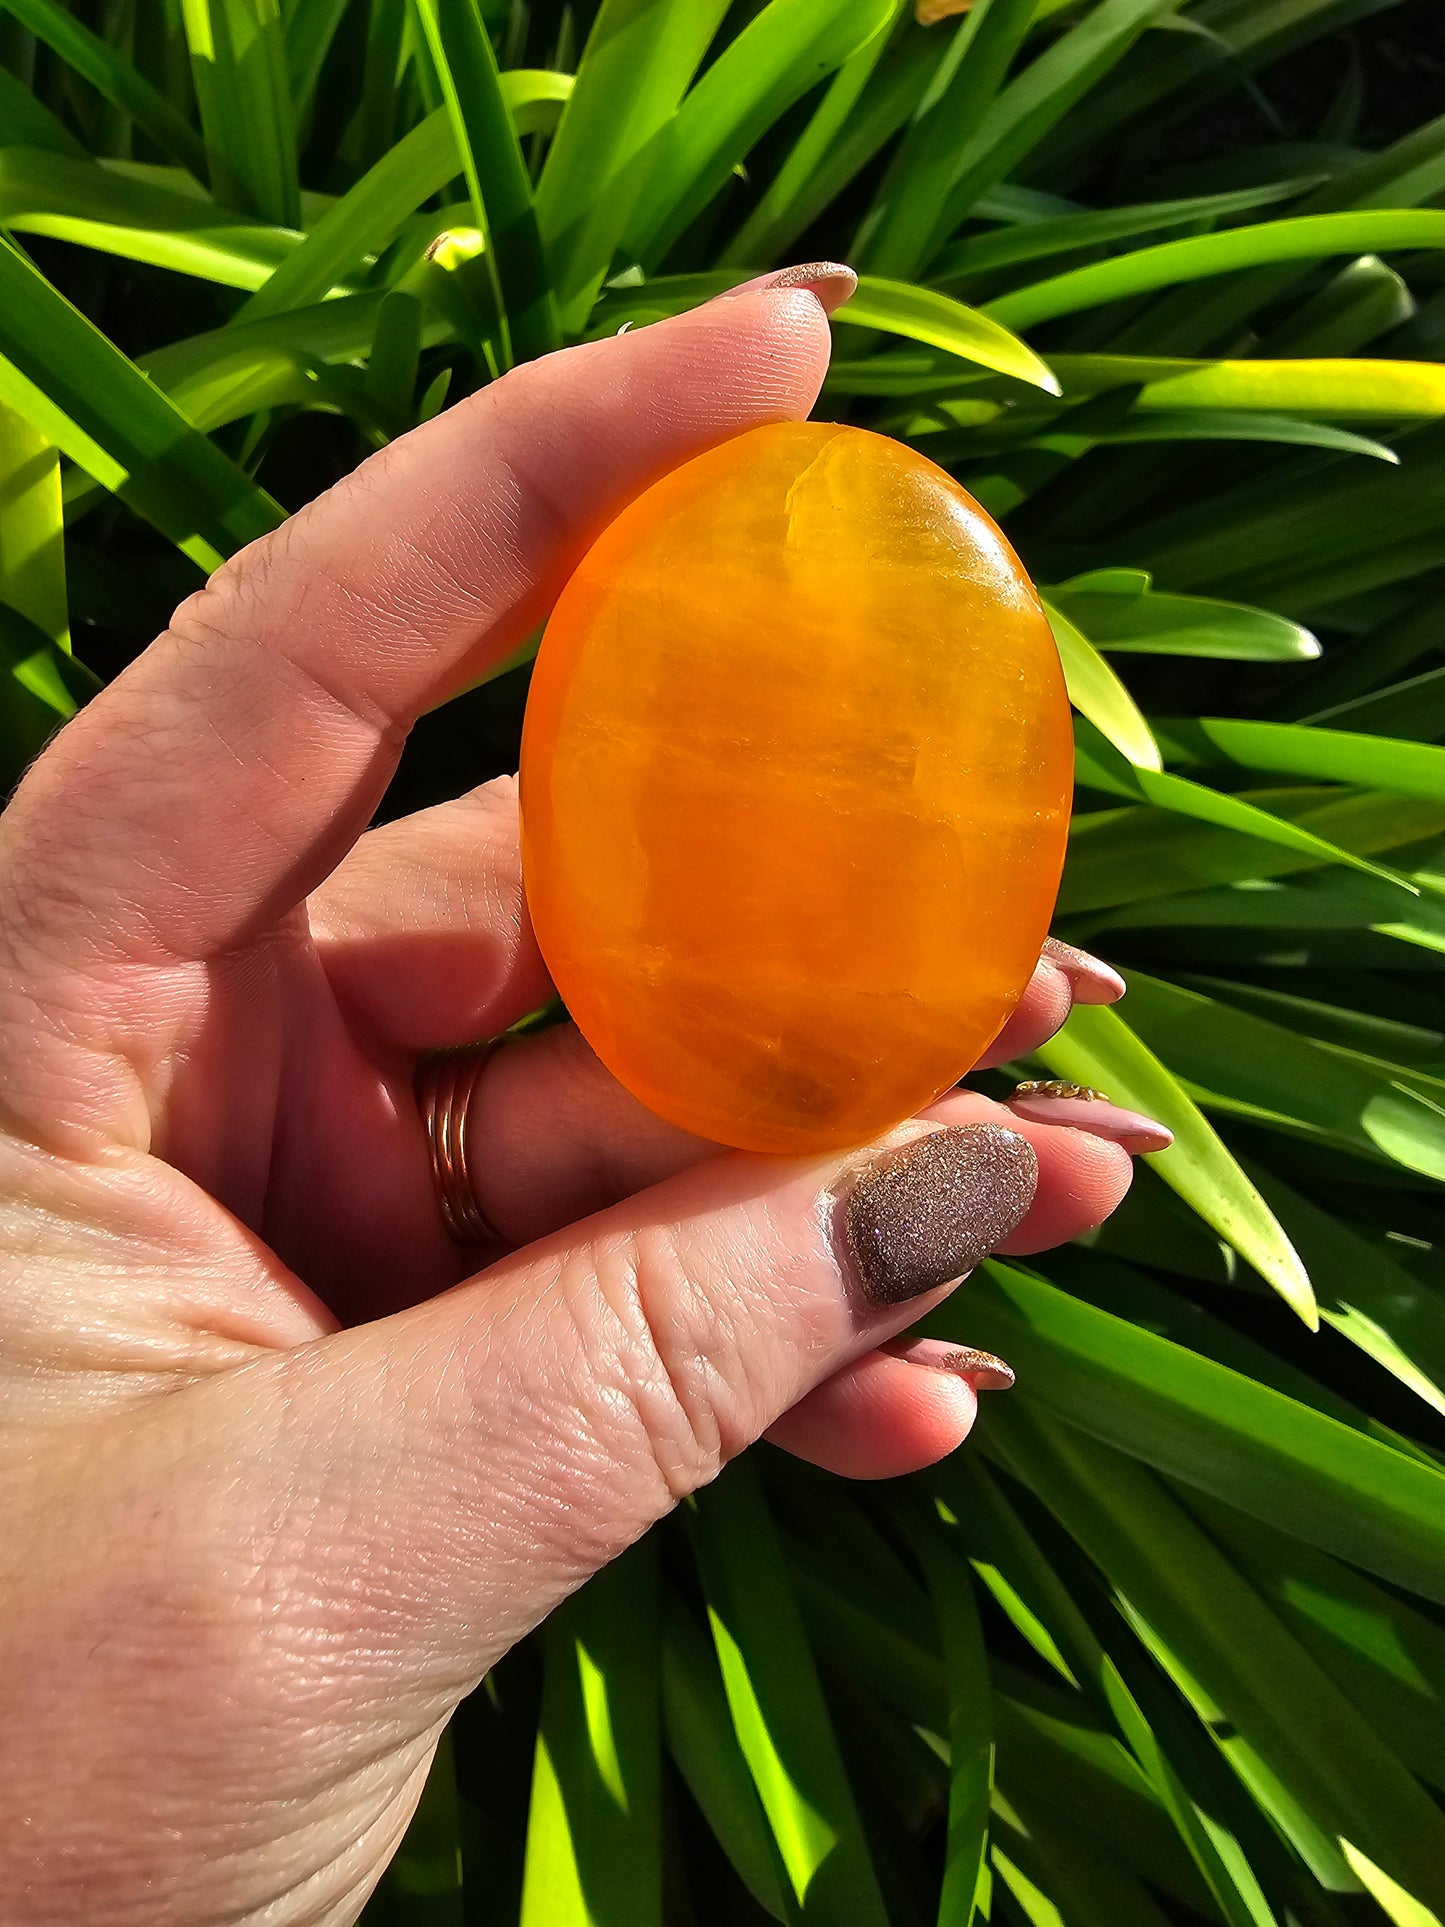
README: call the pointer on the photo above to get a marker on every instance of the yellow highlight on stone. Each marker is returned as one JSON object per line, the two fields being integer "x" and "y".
{"x": 795, "y": 788}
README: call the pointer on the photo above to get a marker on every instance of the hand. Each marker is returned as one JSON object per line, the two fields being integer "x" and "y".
{"x": 273, "y": 1496}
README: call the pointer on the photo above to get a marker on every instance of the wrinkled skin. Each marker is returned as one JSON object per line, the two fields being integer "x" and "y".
{"x": 278, "y": 1481}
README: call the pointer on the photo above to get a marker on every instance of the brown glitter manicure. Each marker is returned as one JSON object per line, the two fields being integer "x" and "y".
{"x": 926, "y": 1214}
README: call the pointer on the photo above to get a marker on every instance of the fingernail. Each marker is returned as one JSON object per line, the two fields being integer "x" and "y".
{"x": 1090, "y": 979}
{"x": 831, "y": 281}
{"x": 984, "y": 1371}
{"x": 925, "y": 1214}
{"x": 1050, "y": 1101}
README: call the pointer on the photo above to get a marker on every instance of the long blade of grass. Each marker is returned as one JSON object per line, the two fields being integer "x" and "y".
{"x": 704, "y": 1745}
{"x": 83, "y": 395}
{"x": 890, "y": 307}
{"x": 1332, "y": 1760}
{"x": 1388, "y": 1658}
{"x": 74, "y": 200}
{"x": 1097, "y": 1048}
{"x": 900, "y": 229}
{"x": 496, "y": 175}
{"x": 1227, "y": 425}
{"x": 311, "y": 26}
{"x": 1097, "y": 691}
{"x": 370, "y": 215}
{"x": 1152, "y": 857}
{"x": 866, "y": 102}
{"x": 639, "y": 60}
{"x": 114, "y": 78}
{"x": 1090, "y": 228}
{"x": 1039, "y": 97}
{"x": 970, "y": 1729}
{"x": 783, "y": 51}
{"x": 1064, "y": 1615}
{"x": 1294, "y": 749}
{"x": 238, "y": 59}
{"x": 32, "y": 528}
{"x": 922, "y": 314}
{"x": 594, "y": 1851}
{"x": 1275, "y": 1457}
{"x": 1121, "y": 611}
{"x": 1330, "y": 389}
{"x": 1234, "y": 1061}
{"x": 1305, "y": 238}
{"x": 28, "y": 122}
{"x": 1365, "y": 1294}
{"x": 1100, "y": 766}
{"x": 778, "y": 1708}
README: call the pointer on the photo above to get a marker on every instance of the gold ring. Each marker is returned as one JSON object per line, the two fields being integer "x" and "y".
{"x": 446, "y": 1082}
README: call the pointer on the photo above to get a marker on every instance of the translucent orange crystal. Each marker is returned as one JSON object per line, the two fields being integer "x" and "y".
{"x": 795, "y": 788}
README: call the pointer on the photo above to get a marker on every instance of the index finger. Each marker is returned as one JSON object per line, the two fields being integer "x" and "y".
{"x": 223, "y": 775}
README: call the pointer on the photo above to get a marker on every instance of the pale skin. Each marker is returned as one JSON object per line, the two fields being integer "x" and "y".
{"x": 281, "y": 1472}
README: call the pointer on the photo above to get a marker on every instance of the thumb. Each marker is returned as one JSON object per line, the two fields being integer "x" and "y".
{"x": 309, "y": 1559}
{"x": 484, "y": 1452}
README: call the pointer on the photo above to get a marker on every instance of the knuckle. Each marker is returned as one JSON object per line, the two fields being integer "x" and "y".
{"x": 669, "y": 1354}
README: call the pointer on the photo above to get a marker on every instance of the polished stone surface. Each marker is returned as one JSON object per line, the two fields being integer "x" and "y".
{"x": 795, "y": 788}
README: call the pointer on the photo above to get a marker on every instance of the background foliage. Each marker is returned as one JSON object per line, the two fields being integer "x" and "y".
{"x": 1165, "y": 1644}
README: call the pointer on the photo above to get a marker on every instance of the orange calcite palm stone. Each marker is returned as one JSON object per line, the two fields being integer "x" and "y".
{"x": 795, "y": 788}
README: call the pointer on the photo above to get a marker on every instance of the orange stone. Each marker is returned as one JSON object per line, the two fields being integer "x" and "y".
{"x": 795, "y": 788}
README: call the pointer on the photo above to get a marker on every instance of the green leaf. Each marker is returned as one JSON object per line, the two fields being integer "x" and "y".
{"x": 900, "y": 230}
{"x": 95, "y": 207}
{"x": 1304, "y": 238}
{"x": 1129, "y": 615}
{"x": 1160, "y": 860}
{"x": 28, "y": 122}
{"x": 1296, "y": 749}
{"x": 1099, "y": 766}
{"x": 1234, "y": 1061}
{"x": 82, "y": 394}
{"x": 32, "y": 528}
{"x": 238, "y": 59}
{"x": 1244, "y": 1660}
{"x": 40, "y": 686}
{"x": 112, "y": 77}
{"x": 496, "y": 175}
{"x": 1090, "y": 228}
{"x": 638, "y": 62}
{"x": 594, "y": 1849}
{"x": 1065, "y": 1612}
{"x": 1363, "y": 301}
{"x": 1274, "y": 1457}
{"x": 922, "y": 314}
{"x": 1039, "y": 97}
{"x": 1097, "y": 692}
{"x": 866, "y": 102}
{"x": 783, "y": 51}
{"x": 1388, "y": 1658}
{"x": 1329, "y": 389}
{"x": 778, "y": 1708}
{"x": 704, "y": 1746}
{"x": 1098, "y": 1049}
{"x": 970, "y": 1735}
{"x": 1221, "y": 425}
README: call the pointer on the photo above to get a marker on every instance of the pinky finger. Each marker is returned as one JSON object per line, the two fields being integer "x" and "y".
{"x": 891, "y": 1411}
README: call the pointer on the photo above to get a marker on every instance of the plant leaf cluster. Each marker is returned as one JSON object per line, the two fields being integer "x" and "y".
{"x": 1166, "y": 1644}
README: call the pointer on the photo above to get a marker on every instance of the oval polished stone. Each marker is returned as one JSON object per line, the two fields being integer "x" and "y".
{"x": 796, "y": 772}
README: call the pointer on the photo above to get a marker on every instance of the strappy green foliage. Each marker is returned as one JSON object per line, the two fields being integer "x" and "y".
{"x": 1166, "y": 1643}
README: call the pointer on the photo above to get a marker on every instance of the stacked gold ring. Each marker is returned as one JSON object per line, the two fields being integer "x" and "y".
{"x": 446, "y": 1082}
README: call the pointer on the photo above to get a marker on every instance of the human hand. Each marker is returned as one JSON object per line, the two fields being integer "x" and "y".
{"x": 273, "y": 1496}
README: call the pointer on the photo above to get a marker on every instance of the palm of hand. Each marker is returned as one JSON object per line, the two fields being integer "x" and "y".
{"x": 292, "y": 1538}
